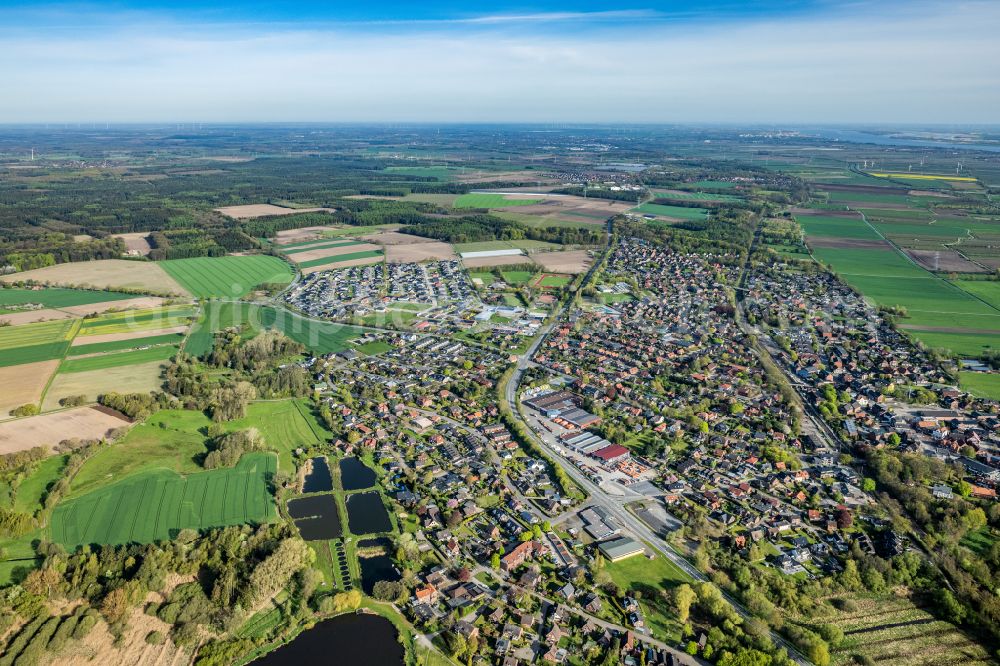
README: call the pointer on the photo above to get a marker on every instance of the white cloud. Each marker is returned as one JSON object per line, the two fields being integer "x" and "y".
{"x": 936, "y": 65}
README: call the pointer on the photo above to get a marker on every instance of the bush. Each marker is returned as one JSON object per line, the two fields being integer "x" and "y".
{"x": 25, "y": 410}
{"x": 155, "y": 638}
{"x": 73, "y": 401}
{"x": 86, "y": 623}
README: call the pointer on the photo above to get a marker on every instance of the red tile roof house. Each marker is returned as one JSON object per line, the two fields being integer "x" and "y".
{"x": 519, "y": 553}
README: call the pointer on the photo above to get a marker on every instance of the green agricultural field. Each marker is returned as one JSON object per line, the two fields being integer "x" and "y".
{"x": 888, "y": 278}
{"x": 322, "y": 245}
{"x": 965, "y": 345}
{"x": 983, "y": 384}
{"x": 567, "y": 219}
{"x": 986, "y": 290}
{"x": 58, "y": 298}
{"x": 817, "y": 226}
{"x": 677, "y": 212}
{"x": 35, "y": 342}
{"x": 138, "y": 320}
{"x": 227, "y": 277}
{"x": 105, "y": 361}
{"x": 483, "y": 200}
{"x": 124, "y": 345}
{"x": 319, "y": 337}
{"x": 516, "y": 278}
{"x": 32, "y": 353}
{"x": 171, "y": 439}
{"x": 155, "y": 505}
{"x": 286, "y": 425}
{"x": 875, "y": 262}
{"x": 340, "y": 258}
{"x": 35, "y": 334}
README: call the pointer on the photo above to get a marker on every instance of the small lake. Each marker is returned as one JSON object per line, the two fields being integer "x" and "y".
{"x": 319, "y": 479}
{"x": 355, "y": 475}
{"x": 366, "y": 514}
{"x": 346, "y": 639}
{"x": 316, "y": 517}
{"x": 374, "y": 569}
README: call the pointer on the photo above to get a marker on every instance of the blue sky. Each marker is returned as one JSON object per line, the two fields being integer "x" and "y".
{"x": 921, "y": 61}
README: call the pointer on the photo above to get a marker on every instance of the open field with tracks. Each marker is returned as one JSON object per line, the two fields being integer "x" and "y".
{"x": 145, "y": 276}
{"x": 23, "y": 384}
{"x": 50, "y": 429}
{"x": 154, "y": 505}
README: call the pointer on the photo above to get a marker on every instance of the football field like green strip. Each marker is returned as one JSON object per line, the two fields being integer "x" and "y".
{"x": 340, "y": 258}
{"x": 105, "y": 361}
{"x": 122, "y": 345}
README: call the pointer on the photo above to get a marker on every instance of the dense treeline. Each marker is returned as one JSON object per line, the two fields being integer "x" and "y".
{"x": 255, "y": 371}
{"x": 728, "y": 231}
{"x": 187, "y": 243}
{"x": 136, "y": 406}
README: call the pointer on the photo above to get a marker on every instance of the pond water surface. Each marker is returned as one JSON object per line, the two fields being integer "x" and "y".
{"x": 355, "y": 475}
{"x": 368, "y": 640}
{"x": 316, "y": 517}
{"x": 319, "y": 480}
{"x": 366, "y": 514}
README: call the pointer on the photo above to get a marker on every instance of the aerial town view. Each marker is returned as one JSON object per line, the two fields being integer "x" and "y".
{"x": 321, "y": 350}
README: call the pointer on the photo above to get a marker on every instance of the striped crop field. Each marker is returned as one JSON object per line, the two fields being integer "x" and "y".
{"x": 151, "y": 506}
{"x": 139, "y": 320}
{"x": 341, "y": 258}
{"x": 322, "y": 245}
{"x": 35, "y": 342}
{"x": 227, "y": 277}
